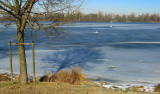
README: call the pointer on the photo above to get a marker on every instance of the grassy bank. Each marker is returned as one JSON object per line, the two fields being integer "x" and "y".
{"x": 57, "y": 88}
{"x": 63, "y": 82}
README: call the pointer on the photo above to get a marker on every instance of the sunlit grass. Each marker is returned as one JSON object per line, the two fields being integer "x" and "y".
{"x": 62, "y": 82}
{"x": 57, "y": 88}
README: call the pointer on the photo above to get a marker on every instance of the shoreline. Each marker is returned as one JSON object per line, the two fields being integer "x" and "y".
{"x": 93, "y": 78}
{"x": 115, "y": 85}
{"x": 118, "y": 85}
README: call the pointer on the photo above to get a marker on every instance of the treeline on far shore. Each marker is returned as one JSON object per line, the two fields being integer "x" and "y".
{"x": 93, "y": 17}
{"x": 108, "y": 17}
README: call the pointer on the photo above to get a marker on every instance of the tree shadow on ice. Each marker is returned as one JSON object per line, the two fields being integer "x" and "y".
{"x": 73, "y": 57}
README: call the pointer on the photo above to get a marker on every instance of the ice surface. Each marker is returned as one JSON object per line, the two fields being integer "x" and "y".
{"x": 122, "y": 46}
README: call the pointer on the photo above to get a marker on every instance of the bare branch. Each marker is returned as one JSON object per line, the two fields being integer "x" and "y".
{"x": 3, "y": 12}
{"x": 20, "y": 3}
{"x": 42, "y": 13}
{"x": 6, "y": 5}
{"x": 9, "y": 3}
{"x": 24, "y": 8}
{"x": 10, "y": 12}
{"x": 27, "y": 15}
{"x": 32, "y": 26}
{"x": 26, "y": 5}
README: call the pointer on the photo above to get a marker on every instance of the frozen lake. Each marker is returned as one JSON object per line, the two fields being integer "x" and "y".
{"x": 133, "y": 48}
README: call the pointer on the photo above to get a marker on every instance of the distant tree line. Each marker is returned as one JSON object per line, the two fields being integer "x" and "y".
{"x": 95, "y": 17}
{"x": 108, "y": 17}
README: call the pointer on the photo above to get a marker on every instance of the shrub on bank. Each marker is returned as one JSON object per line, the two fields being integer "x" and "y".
{"x": 4, "y": 78}
{"x": 75, "y": 76}
{"x": 157, "y": 89}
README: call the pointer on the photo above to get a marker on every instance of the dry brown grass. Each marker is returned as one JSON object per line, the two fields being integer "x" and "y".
{"x": 62, "y": 83}
{"x": 137, "y": 88}
{"x": 61, "y": 76}
{"x": 57, "y": 88}
{"x": 157, "y": 89}
{"x": 4, "y": 78}
{"x": 16, "y": 78}
{"x": 76, "y": 76}
{"x": 43, "y": 79}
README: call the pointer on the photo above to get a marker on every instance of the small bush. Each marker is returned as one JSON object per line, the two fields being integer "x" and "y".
{"x": 157, "y": 89}
{"x": 4, "y": 78}
{"x": 76, "y": 76}
{"x": 61, "y": 76}
{"x": 45, "y": 78}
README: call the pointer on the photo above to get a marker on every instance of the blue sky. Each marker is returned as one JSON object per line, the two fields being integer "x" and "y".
{"x": 122, "y": 6}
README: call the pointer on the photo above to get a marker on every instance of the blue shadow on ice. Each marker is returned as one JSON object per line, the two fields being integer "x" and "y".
{"x": 73, "y": 57}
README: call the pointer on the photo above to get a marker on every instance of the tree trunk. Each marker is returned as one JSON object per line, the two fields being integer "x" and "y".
{"x": 22, "y": 56}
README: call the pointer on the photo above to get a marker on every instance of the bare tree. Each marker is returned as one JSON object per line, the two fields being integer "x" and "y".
{"x": 23, "y": 11}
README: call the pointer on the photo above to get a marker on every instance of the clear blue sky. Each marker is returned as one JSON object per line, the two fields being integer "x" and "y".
{"x": 122, "y": 6}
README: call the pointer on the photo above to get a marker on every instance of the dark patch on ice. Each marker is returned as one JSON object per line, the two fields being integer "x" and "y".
{"x": 74, "y": 57}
